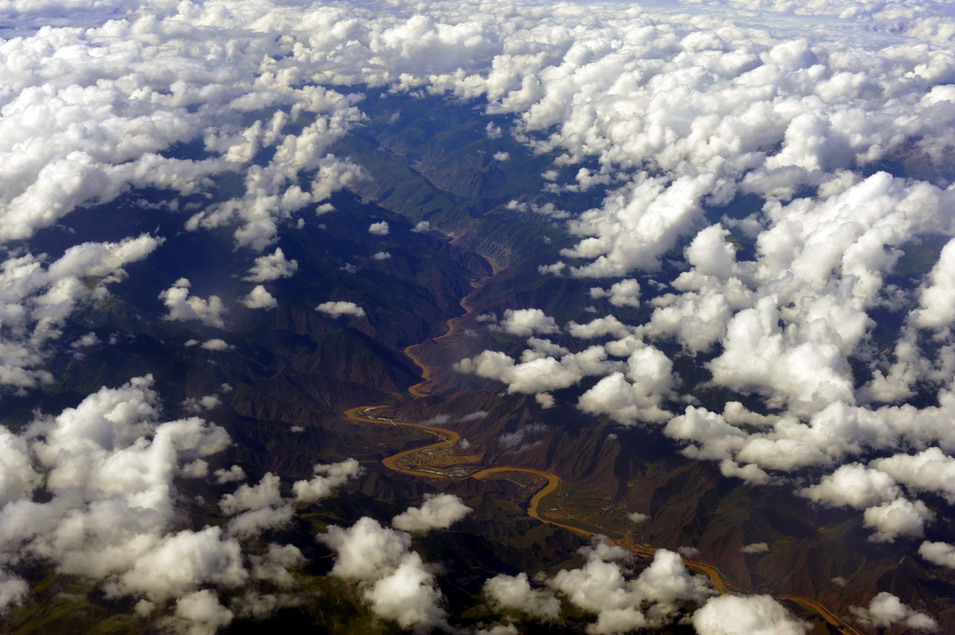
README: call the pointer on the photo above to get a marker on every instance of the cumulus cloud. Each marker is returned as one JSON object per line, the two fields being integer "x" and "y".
{"x": 259, "y": 298}
{"x": 380, "y": 228}
{"x": 215, "y": 344}
{"x": 930, "y": 470}
{"x": 900, "y": 517}
{"x": 637, "y": 225}
{"x": 38, "y": 296}
{"x": 887, "y": 610}
{"x": 437, "y": 512}
{"x": 234, "y": 473}
{"x": 256, "y": 508}
{"x": 940, "y": 553}
{"x": 623, "y": 293}
{"x": 637, "y": 394}
{"x": 253, "y": 497}
{"x": 200, "y": 613}
{"x": 272, "y": 267}
{"x": 13, "y": 591}
{"x": 182, "y": 306}
{"x": 407, "y": 595}
{"x": 178, "y": 563}
{"x": 756, "y": 547}
{"x": 677, "y": 119}
{"x": 527, "y": 322}
{"x": 398, "y": 585}
{"x": 114, "y": 134}
{"x": 112, "y": 511}
{"x": 366, "y": 549}
{"x": 604, "y": 587}
{"x": 274, "y": 192}
{"x": 539, "y": 372}
{"x": 516, "y": 594}
{"x": 327, "y": 478}
{"x": 937, "y": 301}
{"x": 195, "y": 405}
{"x": 110, "y": 466}
{"x": 854, "y": 485}
{"x": 783, "y": 294}
{"x": 338, "y": 308}
{"x": 599, "y": 327}
{"x": 746, "y": 614}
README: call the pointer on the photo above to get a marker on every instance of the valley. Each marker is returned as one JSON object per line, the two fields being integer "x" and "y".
{"x": 444, "y": 460}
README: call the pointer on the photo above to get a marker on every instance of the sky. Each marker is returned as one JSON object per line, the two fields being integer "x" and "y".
{"x": 837, "y": 115}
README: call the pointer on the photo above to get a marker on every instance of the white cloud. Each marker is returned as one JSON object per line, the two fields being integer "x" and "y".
{"x": 273, "y": 193}
{"x": 637, "y": 226}
{"x": 259, "y": 298}
{"x": 437, "y": 512}
{"x": 184, "y": 307}
{"x": 379, "y": 229}
{"x": 755, "y": 547}
{"x": 326, "y": 479}
{"x": 338, "y": 308}
{"x": 539, "y": 373}
{"x": 854, "y": 485}
{"x": 746, "y": 615}
{"x": 527, "y": 322}
{"x": 930, "y": 470}
{"x": 366, "y": 550}
{"x": 602, "y": 586}
{"x": 13, "y": 591}
{"x": 636, "y": 396}
{"x": 599, "y": 327}
{"x": 200, "y": 613}
{"x": 421, "y": 226}
{"x": 397, "y": 583}
{"x": 674, "y": 109}
{"x": 195, "y": 405}
{"x": 623, "y": 293}
{"x": 215, "y": 344}
{"x": 900, "y": 517}
{"x": 178, "y": 563}
{"x": 234, "y": 473}
{"x": 940, "y": 553}
{"x": 887, "y": 610}
{"x": 111, "y": 515}
{"x": 272, "y": 267}
{"x": 807, "y": 376}
{"x": 252, "y": 523}
{"x": 250, "y": 498}
{"x": 36, "y": 300}
{"x": 274, "y": 564}
{"x": 407, "y": 595}
{"x": 515, "y": 593}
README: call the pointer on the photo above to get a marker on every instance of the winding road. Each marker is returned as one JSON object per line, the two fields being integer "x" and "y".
{"x": 449, "y": 438}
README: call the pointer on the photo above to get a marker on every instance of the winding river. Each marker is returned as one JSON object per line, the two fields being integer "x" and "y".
{"x": 447, "y": 439}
